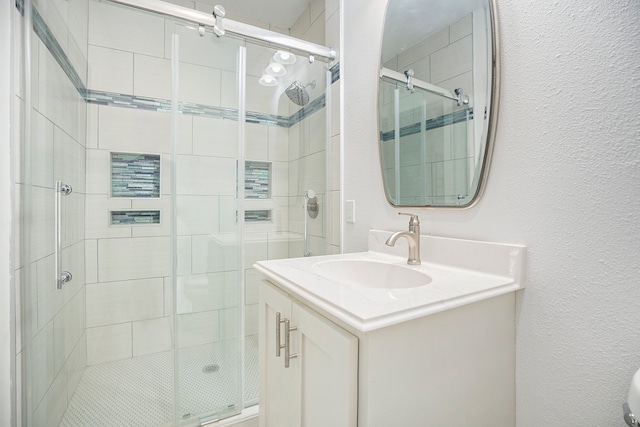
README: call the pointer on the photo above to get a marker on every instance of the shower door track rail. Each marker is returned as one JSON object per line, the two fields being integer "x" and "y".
{"x": 396, "y": 77}
{"x": 230, "y": 26}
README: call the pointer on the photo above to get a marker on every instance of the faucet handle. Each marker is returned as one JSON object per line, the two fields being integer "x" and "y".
{"x": 414, "y": 218}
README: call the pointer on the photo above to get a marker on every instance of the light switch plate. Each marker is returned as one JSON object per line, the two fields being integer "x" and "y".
{"x": 351, "y": 211}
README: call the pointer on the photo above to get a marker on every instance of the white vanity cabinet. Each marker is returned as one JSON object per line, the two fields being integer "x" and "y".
{"x": 404, "y": 354}
{"x": 451, "y": 368}
{"x": 319, "y": 387}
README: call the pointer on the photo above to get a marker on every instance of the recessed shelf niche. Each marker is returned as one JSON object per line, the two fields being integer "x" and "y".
{"x": 257, "y": 180}
{"x": 135, "y": 175}
{"x": 257, "y": 215}
{"x": 135, "y": 217}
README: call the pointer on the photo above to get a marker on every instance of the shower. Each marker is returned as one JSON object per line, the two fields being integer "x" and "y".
{"x": 180, "y": 190}
{"x": 298, "y": 94}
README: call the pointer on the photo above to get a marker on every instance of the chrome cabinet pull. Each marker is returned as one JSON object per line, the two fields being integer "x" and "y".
{"x": 278, "y": 334}
{"x": 287, "y": 343}
{"x": 65, "y": 276}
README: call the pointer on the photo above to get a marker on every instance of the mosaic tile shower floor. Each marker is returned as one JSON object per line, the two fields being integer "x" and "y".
{"x": 138, "y": 391}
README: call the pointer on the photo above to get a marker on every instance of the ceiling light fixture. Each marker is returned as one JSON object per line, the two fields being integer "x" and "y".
{"x": 276, "y": 69}
{"x": 268, "y": 80}
{"x": 284, "y": 57}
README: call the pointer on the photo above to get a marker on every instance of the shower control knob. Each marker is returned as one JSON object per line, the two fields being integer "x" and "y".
{"x": 310, "y": 194}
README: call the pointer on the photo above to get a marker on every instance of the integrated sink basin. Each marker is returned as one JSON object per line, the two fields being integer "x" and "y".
{"x": 371, "y": 274}
{"x": 375, "y": 289}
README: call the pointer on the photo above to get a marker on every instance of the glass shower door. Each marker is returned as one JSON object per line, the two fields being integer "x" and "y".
{"x": 52, "y": 188}
{"x": 207, "y": 295}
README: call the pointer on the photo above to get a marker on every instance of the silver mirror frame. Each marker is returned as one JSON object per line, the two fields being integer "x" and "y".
{"x": 492, "y": 122}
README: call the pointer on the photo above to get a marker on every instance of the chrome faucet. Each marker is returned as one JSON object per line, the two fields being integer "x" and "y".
{"x": 413, "y": 237}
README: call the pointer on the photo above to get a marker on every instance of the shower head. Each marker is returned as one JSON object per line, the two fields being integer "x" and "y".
{"x": 298, "y": 94}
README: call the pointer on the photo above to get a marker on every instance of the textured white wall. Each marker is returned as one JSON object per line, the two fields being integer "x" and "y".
{"x": 6, "y": 352}
{"x": 565, "y": 181}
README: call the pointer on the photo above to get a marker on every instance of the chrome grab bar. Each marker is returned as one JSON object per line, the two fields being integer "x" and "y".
{"x": 65, "y": 276}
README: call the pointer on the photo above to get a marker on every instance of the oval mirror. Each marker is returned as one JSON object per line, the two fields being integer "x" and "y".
{"x": 437, "y": 101}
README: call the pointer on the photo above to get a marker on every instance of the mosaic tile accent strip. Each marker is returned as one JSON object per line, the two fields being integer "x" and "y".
{"x": 135, "y": 175}
{"x": 135, "y": 217}
{"x": 257, "y": 179}
{"x": 257, "y": 215}
{"x": 335, "y": 73}
{"x": 437, "y": 122}
{"x": 44, "y": 33}
{"x": 309, "y": 109}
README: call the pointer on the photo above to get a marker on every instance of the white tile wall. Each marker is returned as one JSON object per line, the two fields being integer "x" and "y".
{"x": 208, "y": 51}
{"x": 206, "y": 292}
{"x": 42, "y": 150}
{"x": 278, "y": 143}
{"x": 111, "y": 70}
{"x": 76, "y": 364}
{"x": 206, "y": 175}
{"x": 151, "y": 77}
{"x": 197, "y": 215}
{"x": 199, "y": 84}
{"x": 461, "y": 28}
{"x": 256, "y": 142}
{"x": 125, "y": 29}
{"x": 58, "y": 99}
{"x": 50, "y": 300}
{"x": 152, "y": 336}
{"x": 68, "y": 327}
{"x": 455, "y": 59}
{"x": 43, "y": 363}
{"x": 213, "y": 137}
{"x": 133, "y": 258}
{"x": 68, "y": 161}
{"x": 122, "y": 129}
{"x": 209, "y": 254}
{"x": 198, "y": 328}
{"x": 52, "y": 407}
{"x": 164, "y": 205}
{"x": 98, "y": 219}
{"x": 109, "y": 343}
{"x": 125, "y": 301}
{"x": 315, "y": 33}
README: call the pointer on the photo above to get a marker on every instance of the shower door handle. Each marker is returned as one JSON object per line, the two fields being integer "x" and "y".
{"x": 65, "y": 276}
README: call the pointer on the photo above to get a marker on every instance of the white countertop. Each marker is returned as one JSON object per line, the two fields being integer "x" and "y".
{"x": 462, "y": 272}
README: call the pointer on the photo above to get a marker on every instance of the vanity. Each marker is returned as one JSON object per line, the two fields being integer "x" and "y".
{"x": 363, "y": 339}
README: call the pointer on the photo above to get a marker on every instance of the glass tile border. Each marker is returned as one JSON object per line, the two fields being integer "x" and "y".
{"x": 435, "y": 123}
{"x": 47, "y": 37}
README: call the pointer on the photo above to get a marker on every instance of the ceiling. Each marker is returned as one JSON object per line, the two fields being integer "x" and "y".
{"x": 283, "y": 13}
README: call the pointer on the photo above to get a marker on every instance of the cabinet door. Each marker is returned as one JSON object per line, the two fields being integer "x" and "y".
{"x": 326, "y": 371}
{"x": 277, "y": 384}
